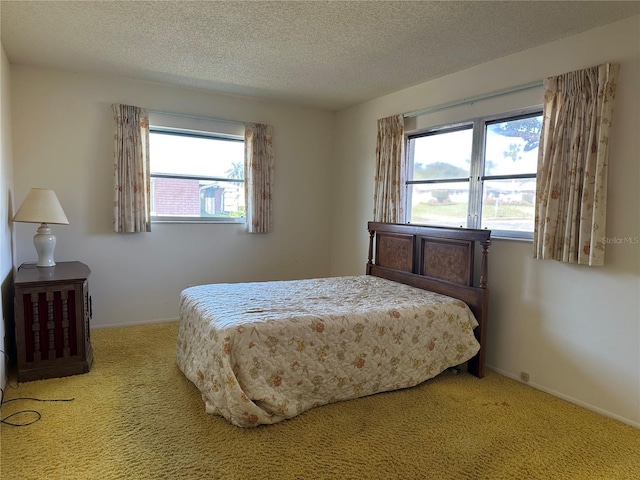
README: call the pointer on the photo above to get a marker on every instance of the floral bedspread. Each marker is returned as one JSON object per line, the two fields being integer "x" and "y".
{"x": 263, "y": 352}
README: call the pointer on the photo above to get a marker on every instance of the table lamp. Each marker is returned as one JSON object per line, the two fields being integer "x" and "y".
{"x": 42, "y": 206}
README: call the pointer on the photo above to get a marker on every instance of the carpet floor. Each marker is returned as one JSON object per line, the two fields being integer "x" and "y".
{"x": 134, "y": 416}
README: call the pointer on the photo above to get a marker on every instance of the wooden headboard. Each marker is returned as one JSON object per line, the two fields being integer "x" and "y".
{"x": 439, "y": 259}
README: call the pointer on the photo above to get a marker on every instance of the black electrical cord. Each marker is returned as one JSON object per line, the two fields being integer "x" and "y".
{"x": 37, "y": 414}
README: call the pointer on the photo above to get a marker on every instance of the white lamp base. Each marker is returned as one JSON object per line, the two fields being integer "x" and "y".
{"x": 45, "y": 243}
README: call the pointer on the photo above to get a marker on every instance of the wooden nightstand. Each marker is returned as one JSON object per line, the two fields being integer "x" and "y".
{"x": 53, "y": 309}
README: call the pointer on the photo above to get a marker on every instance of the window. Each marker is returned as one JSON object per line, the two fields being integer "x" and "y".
{"x": 476, "y": 174}
{"x": 196, "y": 176}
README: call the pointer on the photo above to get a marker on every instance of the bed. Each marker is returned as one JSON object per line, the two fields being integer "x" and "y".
{"x": 263, "y": 352}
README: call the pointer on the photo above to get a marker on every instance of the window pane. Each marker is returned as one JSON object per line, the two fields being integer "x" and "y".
{"x": 509, "y": 204}
{"x": 442, "y": 156}
{"x": 499, "y": 177}
{"x": 187, "y": 155}
{"x": 444, "y": 204}
{"x": 171, "y": 197}
{"x": 188, "y": 199}
{"x": 511, "y": 147}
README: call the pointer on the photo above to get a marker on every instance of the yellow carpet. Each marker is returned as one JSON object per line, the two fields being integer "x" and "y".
{"x": 136, "y": 417}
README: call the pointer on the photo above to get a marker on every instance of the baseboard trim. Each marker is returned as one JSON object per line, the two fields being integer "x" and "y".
{"x": 568, "y": 398}
{"x": 131, "y": 324}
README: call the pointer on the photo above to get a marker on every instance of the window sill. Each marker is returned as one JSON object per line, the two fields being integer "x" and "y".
{"x": 216, "y": 221}
{"x": 515, "y": 239}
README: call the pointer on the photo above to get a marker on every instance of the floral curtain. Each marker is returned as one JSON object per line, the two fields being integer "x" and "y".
{"x": 258, "y": 159}
{"x": 387, "y": 196}
{"x": 572, "y": 166}
{"x": 131, "y": 205}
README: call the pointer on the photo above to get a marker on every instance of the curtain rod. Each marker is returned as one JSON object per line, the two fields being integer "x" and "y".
{"x": 196, "y": 117}
{"x": 477, "y": 98}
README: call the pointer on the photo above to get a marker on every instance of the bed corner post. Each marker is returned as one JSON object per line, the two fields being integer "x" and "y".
{"x": 476, "y": 364}
{"x": 484, "y": 273}
{"x": 370, "y": 260}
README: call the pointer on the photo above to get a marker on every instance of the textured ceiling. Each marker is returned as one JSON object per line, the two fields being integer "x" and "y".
{"x": 316, "y": 53}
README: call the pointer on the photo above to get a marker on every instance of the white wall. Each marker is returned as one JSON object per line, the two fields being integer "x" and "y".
{"x": 63, "y": 139}
{"x": 6, "y": 199}
{"x": 575, "y": 330}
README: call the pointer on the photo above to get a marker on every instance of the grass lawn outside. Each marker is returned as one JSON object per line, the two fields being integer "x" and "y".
{"x": 455, "y": 215}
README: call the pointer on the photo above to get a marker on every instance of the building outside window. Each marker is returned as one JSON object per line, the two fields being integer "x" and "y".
{"x": 476, "y": 174}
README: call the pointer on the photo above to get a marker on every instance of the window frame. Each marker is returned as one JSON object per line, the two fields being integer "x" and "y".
{"x": 185, "y": 132}
{"x": 477, "y": 176}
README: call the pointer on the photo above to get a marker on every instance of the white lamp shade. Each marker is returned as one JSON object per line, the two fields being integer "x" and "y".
{"x": 41, "y": 206}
